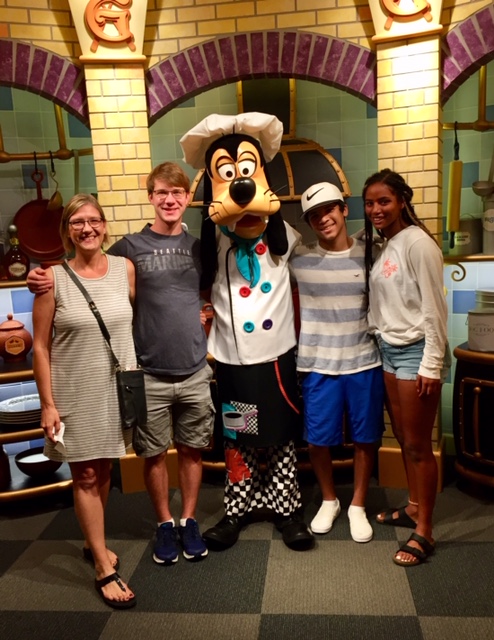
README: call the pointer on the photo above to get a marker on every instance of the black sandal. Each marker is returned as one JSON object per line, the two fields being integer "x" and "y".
{"x": 419, "y": 555}
{"x": 403, "y": 519}
{"x": 116, "y": 604}
{"x": 88, "y": 555}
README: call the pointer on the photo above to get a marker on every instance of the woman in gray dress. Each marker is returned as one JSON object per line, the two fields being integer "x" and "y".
{"x": 76, "y": 379}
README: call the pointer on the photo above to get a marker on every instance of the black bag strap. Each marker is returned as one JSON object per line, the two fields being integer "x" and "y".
{"x": 96, "y": 313}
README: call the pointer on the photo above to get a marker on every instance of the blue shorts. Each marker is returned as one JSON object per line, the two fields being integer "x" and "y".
{"x": 326, "y": 398}
{"x": 404, "y": 362}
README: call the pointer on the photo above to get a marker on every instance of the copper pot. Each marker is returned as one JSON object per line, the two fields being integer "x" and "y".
{"x": 15, "y": 340}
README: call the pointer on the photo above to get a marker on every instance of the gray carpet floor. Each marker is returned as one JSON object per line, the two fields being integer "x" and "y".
{"x": 258, "y": 589}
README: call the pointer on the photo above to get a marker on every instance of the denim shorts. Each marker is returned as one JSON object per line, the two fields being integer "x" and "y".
{"x": 404, "y": 362}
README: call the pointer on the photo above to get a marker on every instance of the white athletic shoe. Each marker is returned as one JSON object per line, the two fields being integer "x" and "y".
{"x": 360, "y": 529}
{"x": 327, "y": 514}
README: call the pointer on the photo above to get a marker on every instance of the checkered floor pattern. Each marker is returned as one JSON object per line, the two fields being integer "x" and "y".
{"x": 258, "y": 589}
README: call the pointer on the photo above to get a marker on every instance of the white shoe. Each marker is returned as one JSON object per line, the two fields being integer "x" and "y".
{"x": 327, "y": 514}
{"x": 360, "y": 529}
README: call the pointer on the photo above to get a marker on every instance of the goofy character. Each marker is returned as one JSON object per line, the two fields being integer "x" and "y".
{"x": 245, "y": 247}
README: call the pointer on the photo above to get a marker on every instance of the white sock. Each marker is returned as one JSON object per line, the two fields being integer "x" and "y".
{"x": 172, "y": 521}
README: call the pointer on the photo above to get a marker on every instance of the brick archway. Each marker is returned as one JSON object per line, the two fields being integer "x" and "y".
{"x": 275, "y": 54}
{"x": 466, "y": 48}
{"x": 25, "y": 66}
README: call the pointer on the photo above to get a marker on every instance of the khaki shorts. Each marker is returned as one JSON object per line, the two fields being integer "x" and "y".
{"x": 180, "y": 409}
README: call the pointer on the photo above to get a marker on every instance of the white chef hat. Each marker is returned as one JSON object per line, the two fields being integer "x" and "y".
{"x": 261, "y": 126}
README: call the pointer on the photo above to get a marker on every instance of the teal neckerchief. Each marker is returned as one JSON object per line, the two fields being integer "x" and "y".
{"x": 246, "y": 257}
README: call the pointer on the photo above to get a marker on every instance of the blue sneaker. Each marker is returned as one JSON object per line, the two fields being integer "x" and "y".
{"x": 166, "y": 545}
{"x": 194, "y": 547}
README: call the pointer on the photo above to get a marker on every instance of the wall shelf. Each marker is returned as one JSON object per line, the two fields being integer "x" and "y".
{"x": 22, "y": 486}
{"x": 459, "y": 274}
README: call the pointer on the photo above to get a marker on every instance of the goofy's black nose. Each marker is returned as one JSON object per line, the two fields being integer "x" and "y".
{"x": 242, "y": 190}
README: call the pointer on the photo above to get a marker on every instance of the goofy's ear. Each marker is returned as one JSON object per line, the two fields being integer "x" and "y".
{"x": 209, "y": 254}
{"x": 276, "y": 235}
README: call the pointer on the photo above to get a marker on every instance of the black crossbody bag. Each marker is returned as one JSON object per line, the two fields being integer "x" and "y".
{"x": 130, "y": 383}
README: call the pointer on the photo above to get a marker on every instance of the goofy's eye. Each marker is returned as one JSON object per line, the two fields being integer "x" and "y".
{"x": 246, "y": 168}
{"x": 227, "y": 171}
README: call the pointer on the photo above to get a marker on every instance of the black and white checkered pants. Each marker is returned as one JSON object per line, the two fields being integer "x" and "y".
{"x": 246, "y": 488}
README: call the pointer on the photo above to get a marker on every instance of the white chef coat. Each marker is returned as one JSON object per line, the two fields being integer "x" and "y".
{"x": 252, "y": 325}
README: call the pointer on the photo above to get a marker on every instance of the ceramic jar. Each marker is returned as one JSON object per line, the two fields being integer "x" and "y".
{"x": 15, "y": 340}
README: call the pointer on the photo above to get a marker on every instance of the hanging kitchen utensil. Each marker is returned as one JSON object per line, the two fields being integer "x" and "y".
{"x": 56, "y": 201}
{"x": 38, "y": 228}
{"x": 454, "y": 192}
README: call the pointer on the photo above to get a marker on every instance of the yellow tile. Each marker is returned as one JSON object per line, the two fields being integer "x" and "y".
{"x": 256, "y": 23}
{"x": 413, "y": 64}
{"x": 61, "y": 18}
{"x": 162, "y": 16}
{"x": 105, "y": 136}
{"x": 128, "y": 212}
{"x": 136, "y": 226}
{"x": 112, "y": 198}
{"x": 119, "y": 120}
{"x": 137, "y": 166}
{"x": 97, "y": 121}
{"x": 108, "y": 168}
{"x": 264, "y": 7}
{"x": 122, "y": 183}
{"x": 164, "y": 48}
{"x": 385, "y": 101}
{"x": 118, "y": 229}
{"x": 426, "y": 114}
{"x": 116, "y": 87}
{"x": 99, "y": 104}
{"x": 28, "y": 32}
{"x": 385, "y": 68}
{"x": 121, "y": 151}
{"x": 408, "y": 132}
{"x": 408, "y": 98}
{"x": 423, "y": 179}
{"x": 143, "y": 150}
{"x": 431, "y": 95}
{"x": 10, "y": 15}
{"x": 384, "y": 134}
{"x": 184, "y": 30}
{"x": 137, "y": 197}
{"x": 137, "y": 87}
{"x": 409, "y": 164}
{"x": 423, "y": 79}
{"x": 100, "y": 151}
{"x": 337, "y": 16}
{"x": 301, "y": 19}
{"x": 136, "y": 134}
{"x": 433, "y": 129}
{"x": 141, "y": 119}
{"x": 198, "y": 14}
{"x": 102, "y": 183}
{"x": 33, "y": 4}
{"x": 392, "y": 117}
{"x": 392, "y": 150}
{"x": 132, "y": 103}
{"x": 433, "y": 162}
{"x": 350, "y": 30}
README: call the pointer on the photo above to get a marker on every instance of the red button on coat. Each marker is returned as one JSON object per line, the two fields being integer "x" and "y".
{"x": 244, "y": 292}
{"x": 260, "y": 249}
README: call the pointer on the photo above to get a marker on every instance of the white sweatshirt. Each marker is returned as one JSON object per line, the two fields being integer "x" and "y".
{"x": 407, "y": 300}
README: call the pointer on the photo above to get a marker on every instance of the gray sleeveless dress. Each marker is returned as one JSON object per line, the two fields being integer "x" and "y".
{"x": 83, "y": 380}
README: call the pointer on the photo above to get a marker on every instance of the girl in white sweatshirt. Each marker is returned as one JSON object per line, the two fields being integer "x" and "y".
{"x": 408, "y": 316}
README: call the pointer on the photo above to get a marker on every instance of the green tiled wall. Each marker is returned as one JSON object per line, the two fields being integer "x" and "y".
{"x": 338, "y": 121}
